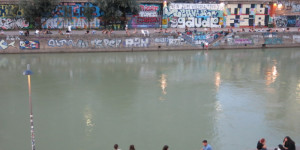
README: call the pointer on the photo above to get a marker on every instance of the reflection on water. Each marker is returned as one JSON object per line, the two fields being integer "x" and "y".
{"x": 92, "y": 101}
{"x": 163, "y": 86}
{"x": 298, "y": 92}
{"x": 88, "y": 120}
{"x": 163, "y": 83}
{"x": 271, "y": 75}
{"x": 217, "y": 80}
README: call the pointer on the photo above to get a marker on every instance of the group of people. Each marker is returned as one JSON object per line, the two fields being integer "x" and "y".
{"x": 288, "y": 144}
{"x": 206, "y": 146}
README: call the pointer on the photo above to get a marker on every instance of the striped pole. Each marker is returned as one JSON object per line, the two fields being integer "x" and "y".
{"x": 28, "y": 72}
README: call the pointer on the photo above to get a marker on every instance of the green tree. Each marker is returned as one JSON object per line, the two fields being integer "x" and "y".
{"x": 113, "y": 10}
{"x": 35, "y": 10}
{"x": 88, "y": 13}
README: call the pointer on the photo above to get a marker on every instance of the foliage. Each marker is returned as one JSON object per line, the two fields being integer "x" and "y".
{"x": 113, "y": 10}
{"x": 88, "y": 13}
{"x": 34, "y": 10}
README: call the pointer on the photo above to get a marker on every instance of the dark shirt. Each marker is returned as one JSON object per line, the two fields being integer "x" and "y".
{"x": 259, "y": 145}
{"x": 290, "y": 145}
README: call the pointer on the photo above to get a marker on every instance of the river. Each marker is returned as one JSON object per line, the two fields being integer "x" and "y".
{"x": 91, "y": 101}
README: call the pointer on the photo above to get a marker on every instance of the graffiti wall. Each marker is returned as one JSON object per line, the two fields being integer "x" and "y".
{"x": 72, "y": 14}
{"x": 10, "y": 11}
{"x": 75, "y": 22}
{"x": 29, "y": 45}
{"x": 7, "y": 23}
{"x": 180, "y": 15}
{"x": 10, "y": 17}
{"x": 148, "y": 17}
{"x": 6, "y": 44}
{"x": 287, "y": 21}
{"x": 247, "y": 15}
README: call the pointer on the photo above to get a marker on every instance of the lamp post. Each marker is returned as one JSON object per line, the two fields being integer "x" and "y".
{"x": 28, "y": 72}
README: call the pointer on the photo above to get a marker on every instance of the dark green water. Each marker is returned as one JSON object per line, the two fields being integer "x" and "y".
{"x": 92, "y": 101}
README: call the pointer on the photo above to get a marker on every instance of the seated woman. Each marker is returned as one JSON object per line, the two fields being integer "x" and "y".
{"x": 288, "y": 144}
{"x": 261, "y": 144}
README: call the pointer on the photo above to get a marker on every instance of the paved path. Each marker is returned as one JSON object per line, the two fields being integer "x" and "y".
{"x": 152, "y": 30}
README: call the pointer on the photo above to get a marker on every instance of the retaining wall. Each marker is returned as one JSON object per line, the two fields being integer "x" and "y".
{"x": 154, "y": 42}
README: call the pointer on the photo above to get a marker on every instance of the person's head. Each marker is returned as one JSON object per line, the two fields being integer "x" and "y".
{"x": 166, "y": 147}
{"x": 116, "y": 146}
{"x": 262, "y": 140}
{"x": 204, "y": 142}
{"x": 288, "y": 139}
{"x": 131, "y": 147}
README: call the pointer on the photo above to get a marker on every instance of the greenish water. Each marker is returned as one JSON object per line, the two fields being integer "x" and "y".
{"x": 90, "y": 101}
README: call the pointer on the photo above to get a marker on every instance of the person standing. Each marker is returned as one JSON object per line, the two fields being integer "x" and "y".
{"x": 206, "y": 146}
{"x": 261, "y": 144}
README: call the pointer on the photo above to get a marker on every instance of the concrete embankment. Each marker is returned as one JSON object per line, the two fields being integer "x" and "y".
{"x": 140, "y": 42}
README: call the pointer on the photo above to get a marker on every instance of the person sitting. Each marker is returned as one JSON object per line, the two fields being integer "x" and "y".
{"x": 48, "y": 32}
{"x": 60, "y": 32}
{"x": 166, "y": 30}
{"x": 160, "y": 30}
{"x": 135, "y": 31}
{"x": 261, "y": 144}
{"x": 37, "y": 32}
{"x": 288, "y": 144}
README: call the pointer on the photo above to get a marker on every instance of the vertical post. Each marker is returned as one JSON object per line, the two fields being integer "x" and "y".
{"x": 28, "y": 72}
{"x": 165, "y": 17}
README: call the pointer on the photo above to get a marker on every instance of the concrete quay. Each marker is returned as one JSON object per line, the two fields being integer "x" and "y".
{"x": 175, "y": 39}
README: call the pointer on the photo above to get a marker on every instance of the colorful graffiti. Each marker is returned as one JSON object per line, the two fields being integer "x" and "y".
{"x": 247, "y": 15}
{"x": 194, "y": 15}
{"x": 4, "y": 45}
{"x": 293, "y": 6}
{"x": 273, "y": 41}
{"x": 29, "y": 45}
{"x": 149, "y": 17}
{"x": 75, "y": 22}
{"x": 243, "y": 41}
{"x": 281, "y": 21}
{"x": 67, "y": 9}
{"x": 72, "y": 14}
{"x": 287, "y": 21}
{"x": 7, "y": 23}
{"x": 10, "y": 11}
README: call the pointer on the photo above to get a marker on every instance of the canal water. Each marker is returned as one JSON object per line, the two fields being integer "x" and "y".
{"x": 91, "y": 101}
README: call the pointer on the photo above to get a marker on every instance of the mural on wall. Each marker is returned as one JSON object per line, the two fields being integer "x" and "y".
{"x": 10, "y": 17}
{"x": 71, "y": 14}
{"x": 75, "y": 10}
{"x": 180, "y": 15}
{"x": 287, "y": 21}
{"x": 247, "y": 15}
{"x": 29, "y": 45}
{"x": 281, "y": 21}
{"x": 7, "y": 23}
{"x": 10, "y": 11}
{"x": 75, "y": 22}
{"x": 290, "y": 6}
{"x": 4, "y": 44}
{"x": 149, "y": 17}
